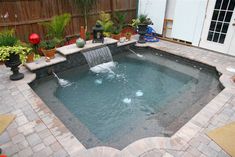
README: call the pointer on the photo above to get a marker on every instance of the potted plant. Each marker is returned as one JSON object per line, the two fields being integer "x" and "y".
{"x": 30, "y": 56}
{"x": 88, "y": 36}
{"x": 34, "y": 40}
{"x": 12, "y": 53}
{"x": 55, "y": 28}
{"x": 128, "y": 35}
{"x": 48, "y": 47}
{"x": 119, "y": 22}
{"x": 141, "y": 23}
{"x": 106, "y": 22}
{"x": 116, "y": 33}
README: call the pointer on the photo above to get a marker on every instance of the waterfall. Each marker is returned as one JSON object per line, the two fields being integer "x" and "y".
{"x": 98, "y": 56}
{"x": 62, "y": 82}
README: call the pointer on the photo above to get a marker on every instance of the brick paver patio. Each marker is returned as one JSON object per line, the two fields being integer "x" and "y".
{"x": 36, "y": 131}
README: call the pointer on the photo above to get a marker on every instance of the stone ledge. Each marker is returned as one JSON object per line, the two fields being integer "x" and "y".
{"x": 71, "y": 49}
{"x": 40, "y": 63}
{"x": 127, "y": 42}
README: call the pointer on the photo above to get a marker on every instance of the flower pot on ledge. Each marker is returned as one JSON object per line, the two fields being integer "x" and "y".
{"x": 116, "y": 36}
{"x": 30, "y": 57}
{"x": 49, "y": 53}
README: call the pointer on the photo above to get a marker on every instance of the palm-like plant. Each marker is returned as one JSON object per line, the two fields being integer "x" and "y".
{"x": 55, "y": 27}
{"x": 120, "y": 19}
{"x": 85, "y": 6}
{"x": 106, "y": 22}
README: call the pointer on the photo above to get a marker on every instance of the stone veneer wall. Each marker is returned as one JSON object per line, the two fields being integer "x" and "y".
{"x": 73, "y": 60}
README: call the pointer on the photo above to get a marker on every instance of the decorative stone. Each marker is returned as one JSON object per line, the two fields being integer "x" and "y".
{"x": 80, "y": 43}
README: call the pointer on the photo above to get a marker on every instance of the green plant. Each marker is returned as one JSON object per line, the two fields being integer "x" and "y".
{"x": 7, "y": 37}
{"x": 120, "y": 20}
{"x": 6, "y": 51}
{"x": 142, "y": 19}
{"x": 55, "y": 28}
{"x": 88, "y": 35}
{"x": 116, "y": 30}
{"x": 85, "y": 6}
{"x": 49, "y": 44}
{"x": 106, "y": 22}
{"x": 24, "y": 44}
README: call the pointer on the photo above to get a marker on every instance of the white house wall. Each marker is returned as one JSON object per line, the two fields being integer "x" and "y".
{"x": 188, "y": 20}
{"x": 170, "y": 9}
{"x": 155, "y": 9}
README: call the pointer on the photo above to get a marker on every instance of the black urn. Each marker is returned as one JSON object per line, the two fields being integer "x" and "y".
{"x": 142, "y": 29}
{"x": 13, "y": 63}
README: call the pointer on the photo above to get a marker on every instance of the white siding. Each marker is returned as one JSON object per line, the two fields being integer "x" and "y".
{"x": 188, "y": 20}
{"x": 155, "y": 9}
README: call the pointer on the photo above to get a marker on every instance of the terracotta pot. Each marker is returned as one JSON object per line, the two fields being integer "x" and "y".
{"x": 30, "y": 57}
{"x": 128, "y": 36}
{"x": 116, "y": 36}
{"x": 49, "y": 53}
{"x": 128, "y": 29}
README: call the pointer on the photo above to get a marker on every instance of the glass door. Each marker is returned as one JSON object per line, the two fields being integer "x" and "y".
{"x": 218, "y": 26}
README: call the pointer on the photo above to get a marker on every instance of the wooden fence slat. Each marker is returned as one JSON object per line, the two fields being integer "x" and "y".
{"x": 31, "y": 12}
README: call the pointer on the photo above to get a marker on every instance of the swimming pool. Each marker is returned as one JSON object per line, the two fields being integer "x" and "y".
{"x": 140, "y": 97}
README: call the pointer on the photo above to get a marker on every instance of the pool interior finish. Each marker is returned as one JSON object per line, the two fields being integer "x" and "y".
{"x": 140, "y": 97}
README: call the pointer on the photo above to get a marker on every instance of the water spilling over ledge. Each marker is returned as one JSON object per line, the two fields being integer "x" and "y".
{"x": 98, "y": 56}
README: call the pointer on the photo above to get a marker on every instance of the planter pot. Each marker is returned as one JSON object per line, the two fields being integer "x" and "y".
{"x": 49, "y": 53}
{"x": 13, "y": 63}
{"x": 142, "y": 29}
{"x": 129, "y": 29}
{"x": 116, "y": 36}
{"x": 30, "y": 58}
{"x": 128, "y": 36}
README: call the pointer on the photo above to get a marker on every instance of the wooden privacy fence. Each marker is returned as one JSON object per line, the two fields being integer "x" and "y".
{"x": 24, "y": 15}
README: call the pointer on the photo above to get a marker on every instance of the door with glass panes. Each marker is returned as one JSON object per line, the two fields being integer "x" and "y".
{"x": 219, "y": 27}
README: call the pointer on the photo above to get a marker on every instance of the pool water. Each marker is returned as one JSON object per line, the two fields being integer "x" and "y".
{"x": 135, "y": 98}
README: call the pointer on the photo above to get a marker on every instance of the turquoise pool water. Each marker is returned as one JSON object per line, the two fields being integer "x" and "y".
{"x": 136, "y": 98}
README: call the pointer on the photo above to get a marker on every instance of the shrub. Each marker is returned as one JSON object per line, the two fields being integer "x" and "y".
{"x": 7, "y": 38}
{"x": 106, "y": 22}
{"x": 55, "y": 28}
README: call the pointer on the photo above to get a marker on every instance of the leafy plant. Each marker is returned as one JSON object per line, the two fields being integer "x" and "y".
{"x": 116, "y": 30}
{"x": 6, "y": 51}
{"x": 120, "y": 20}
{"x": 7, "y": 38}
{"x": 24, "y": 44}
{"x": 85, "y": 6}
{"x": 142, "y": 19}
{"x": 9, "y": 44}
{"x": 106, "y": 22}
{"x": 49, "y": 44}
{"x": 88, "y": 35}
{"x": 55, "y": 27}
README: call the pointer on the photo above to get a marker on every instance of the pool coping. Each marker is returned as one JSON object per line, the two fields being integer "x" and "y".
{"x": 179, "y": 141}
